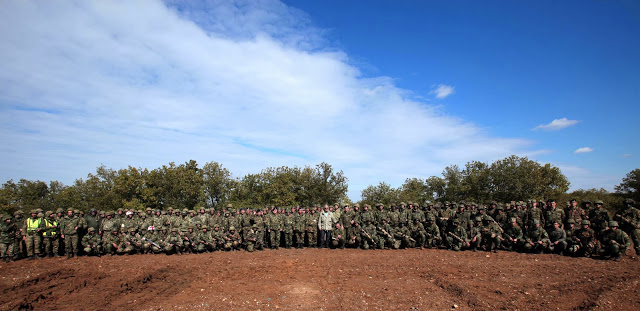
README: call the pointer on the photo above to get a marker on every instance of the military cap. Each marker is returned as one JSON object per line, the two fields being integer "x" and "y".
{"x": 254, "y": 226}
{"x": 16, "y": 213}
{"x": 59, "y": 210}
{"x": 204, "y": 227}
{"x": 456, "y": 221}
{"x": 174, "y": 230}
{"x": 530, "y": 201}
{"x": 551, "y": 200}
{"x": 513, "y": 219}
{"x": 481, "y": 207}
{"x": 478, "y": 218}
{"x": 40, "y": 215}
{"x": 599, "y": 202}
{"x": 586, "y": 201}
{"x": 229, "y": 205}
{"x": 403, "y": 204}
{"x": 571, "y": 221}
{"x": 499, "y": 208}
{"x": 613, "y": 223}
{"x": 190, "y": 227}
{"x": 233, "y": 228}
{"x": 47, "y": 213}
{"x": 91, "y": 229}
{"x": 586, "y": 222}
{"x": 120, "y": 210}
{"x": 132, "y": 229}
{"x": 573, "y": 200}
{"x": 380, "y": 204}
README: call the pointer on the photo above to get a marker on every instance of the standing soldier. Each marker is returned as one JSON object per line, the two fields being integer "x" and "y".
{"x": 93, "y": 220}
{"x": 552, "y": 215}
{"x": 574, "y": 212}
{"x": 599, "y": 217}
{"x": 50, "y": 235}
{"x": 7, "y": 236}
{"x": 69, "y": 228}
{"x": 19, "y": 246}
{"x": 299, "y": 225}
{"x": 32, "y": 227}
{"x": 312, "y": 228}
{"x": 289, "y": 224}
{"x": 325, "y": 225}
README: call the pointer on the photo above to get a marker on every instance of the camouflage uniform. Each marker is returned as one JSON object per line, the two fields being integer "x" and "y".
{"x": 615, "y": 242}
{"x": 456, "y": 238}
{"x": 173, "y": 243}
{"x": 113, "y": 243}
{"x": 92, "y": 243}
{"x": 630, "y": 218}
{"x": 51, "y": 235}
{"x": 32, "y": 229}
{"x": 536, "y": 239}
{"x": 7, "y": 236}
{"x": 69, "y": 227}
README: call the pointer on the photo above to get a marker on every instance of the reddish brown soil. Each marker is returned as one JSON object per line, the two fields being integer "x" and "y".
{"x": 312, "y": 279}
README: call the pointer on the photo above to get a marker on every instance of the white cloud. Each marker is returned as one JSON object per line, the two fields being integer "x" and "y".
{"x": 556, "y": 124}
{"x": 626, "y": 155}
{"x": 583, "y": 150}
{"x": 443, "y": 91}
{"x": 251, "y": 86}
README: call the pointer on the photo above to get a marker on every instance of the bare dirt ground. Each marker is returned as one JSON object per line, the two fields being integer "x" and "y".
{"x": 313, "y": 279}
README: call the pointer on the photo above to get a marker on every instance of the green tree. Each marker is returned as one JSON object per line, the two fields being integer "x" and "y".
{"x": 382, "y": 193}
{"x": 630, "y": 186}
{"x": 218, "y": 183}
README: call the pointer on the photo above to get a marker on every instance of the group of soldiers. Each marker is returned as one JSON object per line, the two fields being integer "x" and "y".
{"x": 534, "y": 226}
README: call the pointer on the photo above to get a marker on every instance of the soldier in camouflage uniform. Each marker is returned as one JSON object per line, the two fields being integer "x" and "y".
{"x": 630, "y": 217}
{"x": 586, "y": 242}
{"x": 312, "y": 228}
{"x": 51, "y": 234}
{"x": 558, "y": 239}
{"x": 513, "y": 236}
{"x": 173, "y": 243}
{"x": 288, "y": 228}
{"x": 432, "y": 234}
{"x": 456, "y": 238}
{"x": 536, "y": 239}
{"x": 299, "y": 225}
{"x": 338, "y": 236}
{"x": 92, "y": 243}
{"x": 599, "y": 217}
{"x": 113, "y": 243}
{"x": 252, "y": 240}
{"x": 19, "y": 245}
{"x": 491, "y": 234}
{"x": 32, "y": 229}
{"x": 7, "y": 236}
{"x": 69, "y": 227}
{"x": 403, "y": 234}
{"x": 615, "y": 242}
{"x": 574, "y": 212}
{"x": 475, "y": 234}
{"x": 189, "y": 238}
{"x": 232, "y": 240}
{"x": 204, "y": 240}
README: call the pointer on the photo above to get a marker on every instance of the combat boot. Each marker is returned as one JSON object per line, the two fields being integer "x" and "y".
{"x": 29, "y": 257}
{"x": 68, "y": 255}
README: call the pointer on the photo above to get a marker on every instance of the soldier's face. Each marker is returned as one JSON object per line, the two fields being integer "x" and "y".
{"x": 69, "y": 213}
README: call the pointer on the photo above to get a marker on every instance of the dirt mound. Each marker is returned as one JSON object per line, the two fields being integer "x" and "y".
{"x": 313, "y": 279}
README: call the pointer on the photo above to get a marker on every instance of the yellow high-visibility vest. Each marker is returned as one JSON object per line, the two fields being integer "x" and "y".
{"x": 50, "y": 232}
{"x": 33, "y": 224}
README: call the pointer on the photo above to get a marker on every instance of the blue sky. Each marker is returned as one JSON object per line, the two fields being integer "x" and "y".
{"x": 383, "y": 90}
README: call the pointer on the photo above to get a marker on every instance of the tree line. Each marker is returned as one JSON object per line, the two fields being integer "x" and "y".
{"x": 213, "y": 186}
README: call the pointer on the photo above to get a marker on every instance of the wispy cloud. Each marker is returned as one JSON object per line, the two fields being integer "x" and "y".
{"x": 253, "y": 85}
{"x": 626, "y": 155}
{"x": 443, "y": 90}
{"x": 583, "y": 150}
{"x": 556, "y": 124}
